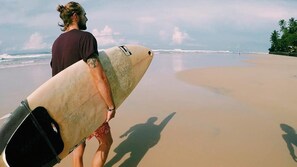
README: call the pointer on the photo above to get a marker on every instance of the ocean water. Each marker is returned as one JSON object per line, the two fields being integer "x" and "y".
{"x": 180, "y": 59}
{"x": 23, "y": 59}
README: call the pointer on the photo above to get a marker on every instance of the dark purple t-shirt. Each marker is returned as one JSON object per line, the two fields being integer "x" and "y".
{"x": 71, "y": 47}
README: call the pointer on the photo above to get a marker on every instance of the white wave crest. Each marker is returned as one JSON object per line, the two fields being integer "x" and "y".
{"x": 191, "y": 51}
{"x": 23, "y": 56}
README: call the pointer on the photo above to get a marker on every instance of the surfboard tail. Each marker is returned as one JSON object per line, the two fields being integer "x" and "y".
{"x": 11, "y": 124}
{"x": 36, "y": 141}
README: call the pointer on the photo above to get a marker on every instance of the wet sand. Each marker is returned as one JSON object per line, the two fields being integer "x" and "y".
{"x": 213, "y": 116}
{"x": 267, "y": 91}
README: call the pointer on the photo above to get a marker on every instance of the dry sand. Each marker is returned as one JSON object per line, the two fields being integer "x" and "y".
{"x": 212, "y": 117}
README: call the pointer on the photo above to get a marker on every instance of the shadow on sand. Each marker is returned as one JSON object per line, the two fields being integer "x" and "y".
{"x": 290, "y": 138}
{"x": 141, "y": 138}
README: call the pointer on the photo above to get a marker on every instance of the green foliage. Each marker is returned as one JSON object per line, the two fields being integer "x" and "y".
{"x": 285, "y": 40}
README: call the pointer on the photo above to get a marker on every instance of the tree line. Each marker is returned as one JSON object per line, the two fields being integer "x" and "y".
{"x": 284, "y": 41}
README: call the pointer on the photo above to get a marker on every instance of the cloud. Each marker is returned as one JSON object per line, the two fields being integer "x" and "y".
{"x": 106, "y": 36}
{"x": 178, "y": 36}
{"x": 35, "y": 42}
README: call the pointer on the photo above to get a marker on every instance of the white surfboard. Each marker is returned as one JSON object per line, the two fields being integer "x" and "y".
{"x": 68, "y": 107}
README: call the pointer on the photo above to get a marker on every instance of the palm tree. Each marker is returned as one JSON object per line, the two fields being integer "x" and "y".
{"x": 285, "y": 40}
{"x": 292, "y": 25}
{"x": 274, "y": 38}
{"x": 283, "y": 25}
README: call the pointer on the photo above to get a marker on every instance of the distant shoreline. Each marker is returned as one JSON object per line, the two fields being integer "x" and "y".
{"x": 284, "y": 53}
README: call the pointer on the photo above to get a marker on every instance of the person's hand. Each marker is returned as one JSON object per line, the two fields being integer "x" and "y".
{"x": 110, "y": 114}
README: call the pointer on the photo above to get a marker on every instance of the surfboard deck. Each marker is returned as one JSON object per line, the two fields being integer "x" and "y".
{"x": 67, "y": 108}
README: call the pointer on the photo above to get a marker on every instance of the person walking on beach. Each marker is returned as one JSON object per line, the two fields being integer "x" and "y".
{"x": 70, "y": 47}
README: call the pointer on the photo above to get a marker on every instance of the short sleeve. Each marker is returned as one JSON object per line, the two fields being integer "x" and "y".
{"x": 88, "y": 46}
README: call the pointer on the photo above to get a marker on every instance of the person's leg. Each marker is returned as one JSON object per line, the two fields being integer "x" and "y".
{"x": 105, "y": 142}
{"x": 78, "y": 155}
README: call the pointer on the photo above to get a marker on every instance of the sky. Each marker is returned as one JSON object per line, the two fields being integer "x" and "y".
{"x": 229, "y": 25}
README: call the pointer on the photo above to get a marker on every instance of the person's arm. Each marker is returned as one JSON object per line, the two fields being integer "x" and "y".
{"x": 102, "y": 85}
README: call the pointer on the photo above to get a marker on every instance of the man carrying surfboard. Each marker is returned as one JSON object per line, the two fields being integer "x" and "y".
{"x": 70, "y": 47}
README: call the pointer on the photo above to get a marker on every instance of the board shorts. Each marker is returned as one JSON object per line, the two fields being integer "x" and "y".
{"x": 101, "y": 131}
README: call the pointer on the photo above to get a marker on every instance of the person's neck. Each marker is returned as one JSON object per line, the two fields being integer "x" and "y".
{"x": 72, "y": 27}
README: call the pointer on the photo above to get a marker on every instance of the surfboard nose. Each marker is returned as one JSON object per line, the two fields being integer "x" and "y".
{"x": 140, "y": 55}
{"x": 150, "y": 53}
{"x": 128, "y": 64}
{"x": 147, "y": 54}
{"x": 140, "y": 58}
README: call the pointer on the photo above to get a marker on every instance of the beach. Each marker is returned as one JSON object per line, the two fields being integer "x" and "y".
{"x": 192, "y": 110}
